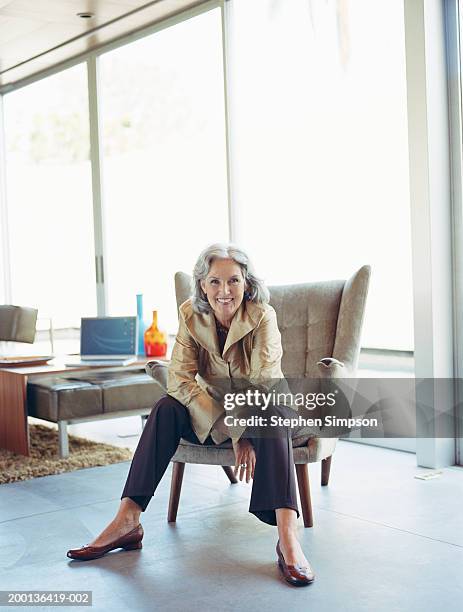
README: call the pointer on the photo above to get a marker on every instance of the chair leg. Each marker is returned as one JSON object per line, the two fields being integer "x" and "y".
{"x": 326, "y": 465}
{"x": 175, "y": 490}
{"x": 302, "y": 473}
{"x": 229, "y": 472}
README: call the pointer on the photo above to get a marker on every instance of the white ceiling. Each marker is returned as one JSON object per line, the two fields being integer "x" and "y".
{"x": 38, "y": 34}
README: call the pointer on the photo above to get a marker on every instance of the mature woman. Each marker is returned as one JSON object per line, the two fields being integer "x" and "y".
{"x": 227, "y": 330}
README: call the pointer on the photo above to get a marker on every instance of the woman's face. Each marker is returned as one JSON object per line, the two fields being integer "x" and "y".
{"x": 224, "y": 287}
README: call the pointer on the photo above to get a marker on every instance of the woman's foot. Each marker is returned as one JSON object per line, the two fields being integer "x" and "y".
{"x": 292, "y": 562}
{"x": 127, "y": 518}
{"x": 115, "y": 530}
{"x": 124, "y": 531}
{"x": 129, "y": 541}
{"x": 295, "y": 574}
{"x": 291, "y": 550}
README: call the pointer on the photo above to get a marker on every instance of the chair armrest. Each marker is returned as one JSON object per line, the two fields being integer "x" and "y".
{"x": 329, "y": 367}
{"x": 331, "y": 371}
{"x": 158, "y": 371}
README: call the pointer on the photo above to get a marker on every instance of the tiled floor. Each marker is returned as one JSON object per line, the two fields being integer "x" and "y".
{"x": 382, "y": 540}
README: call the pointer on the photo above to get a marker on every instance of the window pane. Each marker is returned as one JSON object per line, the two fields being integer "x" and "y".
{"x": 49, "y": 197}
{"x": 320, "y": 149}
{"x": 164, "y": 174}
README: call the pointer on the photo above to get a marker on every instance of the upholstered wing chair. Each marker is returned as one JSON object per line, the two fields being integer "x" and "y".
{"x": 320, "y": 324}
{"x": 17, "y": 324}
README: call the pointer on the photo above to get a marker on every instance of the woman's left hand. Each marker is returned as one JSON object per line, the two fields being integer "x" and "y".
{"x": 244, "y": 454}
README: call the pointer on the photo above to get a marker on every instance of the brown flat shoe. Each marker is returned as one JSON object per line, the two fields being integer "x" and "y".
{"x": 129, "y": 541}
{"x": 296, "y": 575}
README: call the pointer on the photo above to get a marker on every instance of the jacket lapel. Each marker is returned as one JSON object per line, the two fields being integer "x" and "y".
{"x": 245, "y": 320}
{"x": 202, "y": 327}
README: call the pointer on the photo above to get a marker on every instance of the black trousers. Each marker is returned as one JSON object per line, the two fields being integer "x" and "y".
{"x": 273, "y": 485}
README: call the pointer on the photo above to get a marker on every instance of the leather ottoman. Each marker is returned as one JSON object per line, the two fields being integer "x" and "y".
{"x": 91, "y": 395}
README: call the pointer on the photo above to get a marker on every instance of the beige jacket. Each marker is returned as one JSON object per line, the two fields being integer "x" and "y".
{"x": 252, "y": 351}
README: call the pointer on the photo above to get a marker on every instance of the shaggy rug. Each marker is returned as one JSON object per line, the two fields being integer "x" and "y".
{"x": 44, "y": 456}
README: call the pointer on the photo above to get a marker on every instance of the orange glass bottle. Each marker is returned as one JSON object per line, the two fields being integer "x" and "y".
{"x": 155, "y": 340}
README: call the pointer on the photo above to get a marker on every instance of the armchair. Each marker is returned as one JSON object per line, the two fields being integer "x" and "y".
{"x": 320, "y": 325}
{"x": 17, "y": 324}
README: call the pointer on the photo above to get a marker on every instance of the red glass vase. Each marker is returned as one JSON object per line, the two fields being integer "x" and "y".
{"x": 154, "y": 339}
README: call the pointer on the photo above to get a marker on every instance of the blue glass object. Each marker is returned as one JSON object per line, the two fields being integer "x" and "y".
{"x": 141, "y": 325}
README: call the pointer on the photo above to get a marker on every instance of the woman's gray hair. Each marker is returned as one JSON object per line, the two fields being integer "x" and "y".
{"x": 256, "y": 290}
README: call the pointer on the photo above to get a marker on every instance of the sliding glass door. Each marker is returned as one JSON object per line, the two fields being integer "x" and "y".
{"x": 319, "y": 153}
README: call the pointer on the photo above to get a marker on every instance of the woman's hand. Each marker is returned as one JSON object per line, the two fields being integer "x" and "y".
{"x": 244, "y": 454}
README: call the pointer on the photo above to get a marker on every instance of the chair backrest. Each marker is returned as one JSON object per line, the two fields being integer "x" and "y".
{"x": 316, "y": 320}
{"x": 17, "y": 323}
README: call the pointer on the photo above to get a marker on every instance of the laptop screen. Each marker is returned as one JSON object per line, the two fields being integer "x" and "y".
{"x": 108, "y": 336}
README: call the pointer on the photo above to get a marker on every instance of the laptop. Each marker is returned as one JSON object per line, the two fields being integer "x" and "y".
{"x": 108, "y": 341}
